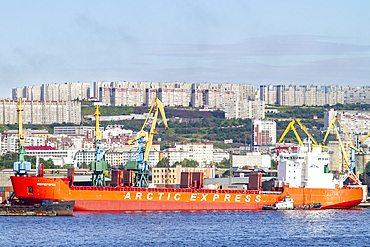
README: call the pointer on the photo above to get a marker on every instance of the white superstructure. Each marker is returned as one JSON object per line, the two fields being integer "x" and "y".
{"x": 306, "y": 168}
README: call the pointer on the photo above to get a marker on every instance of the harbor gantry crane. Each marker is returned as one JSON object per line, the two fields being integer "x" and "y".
{"x": 21, "y": 167}
{"x": 141, "y": 165}
{"x": 350, "y": 162}
{"x": 291, "y": 127}
{"x": 99, "y": 165}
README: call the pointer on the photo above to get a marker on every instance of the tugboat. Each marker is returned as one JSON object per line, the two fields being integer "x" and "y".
{"x": 14, "y": 206}
{"x": 287, "y": 203}
{"x": 284, "y": 204}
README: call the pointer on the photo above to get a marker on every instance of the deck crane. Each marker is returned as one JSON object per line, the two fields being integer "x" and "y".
{"x": 21, "y": 167}
{"x": 350, "y": 162}
{"x": 291, "y": 127}
{"x": 141, "y": 166}
{"x": 99, "y": 165}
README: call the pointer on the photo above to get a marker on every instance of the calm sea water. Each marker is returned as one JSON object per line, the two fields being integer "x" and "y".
{"x": 230, "y": 228}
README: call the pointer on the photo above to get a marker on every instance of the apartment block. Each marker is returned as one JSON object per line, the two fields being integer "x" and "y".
{"x": 263, "y": 133}
{"x": 150, "y": 95}
{"x": 245, "y": 109}
{"x": 41, "y": 112}
{"x": 268, "y": 94}
{"x": 212, "y": 98}
{"x": 200, "y": 152}
{"x": 197, "y": 98}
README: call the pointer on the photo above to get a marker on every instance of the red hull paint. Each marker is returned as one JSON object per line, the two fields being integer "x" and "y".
{"x": 88, "y": 198}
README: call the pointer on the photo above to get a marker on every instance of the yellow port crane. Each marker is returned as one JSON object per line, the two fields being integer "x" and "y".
{"x": 21, "y": 167}
{"x": 291, "y": 127}
{"x": 141, "y": 177}
{"x": 368, "y": 134}
{"x": 350, "y": 163}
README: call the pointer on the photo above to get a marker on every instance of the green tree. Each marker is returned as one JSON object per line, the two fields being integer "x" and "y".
{"x": 163, "y": 163}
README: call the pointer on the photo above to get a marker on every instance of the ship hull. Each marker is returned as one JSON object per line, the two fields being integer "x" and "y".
{"x": 89, "y": 198}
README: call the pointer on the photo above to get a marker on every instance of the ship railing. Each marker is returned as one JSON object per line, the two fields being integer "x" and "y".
{"x": 270, "y": 192}
{"x": 173, "y": 190}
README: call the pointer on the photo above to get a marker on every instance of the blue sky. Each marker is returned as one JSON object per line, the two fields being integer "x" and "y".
{"x": 254, "y": 42}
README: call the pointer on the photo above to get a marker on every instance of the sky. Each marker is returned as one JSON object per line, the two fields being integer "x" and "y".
{"x": 253, "y": 42}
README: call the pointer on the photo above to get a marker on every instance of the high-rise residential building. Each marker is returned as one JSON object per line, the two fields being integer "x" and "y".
{"x": 105, "y": 95}
{"x": 268, "y": 94}
{"x": 285, "y": 95}
{"x": 17, "y": 93}
{"x": 334, "y": 94}
{"x": 119, "y": 96}
{"x": 245, "y": 109}
{"x": 150, "y": 95}
{"x": 41, "y": 112}
{"x": 212, "y": 98}
{"x": 353, "y": 95}
{"x": 197, "y": 98}
{"x": 182, "y": 97}
{"x": 53, "y": 92}
{"x": 263, "y": 133}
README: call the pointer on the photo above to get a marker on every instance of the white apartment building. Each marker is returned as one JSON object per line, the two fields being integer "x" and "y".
{"x": 120, "y": 96}
{"x": 354, "y": 122}
{"x": 53, "y": 92}
{"x": 10, "y": 142}
{"x": 59, "y": 157}
{"x": 105, "y": 95}
{"x": 41, "y": 112}
{"x": 212, "y": 98}
{"x": 200, "y": 152}
{"x": 120, "y": 156}
{"x": 268, "y": 93}
{"x": 150, "y": 95}
{"x": 197, "y": 98}
{"x": 298, "y": 95}
{"x": 245, "y": 109}
{"x": 219, "y": 155}
{"x": 252, "y": 160}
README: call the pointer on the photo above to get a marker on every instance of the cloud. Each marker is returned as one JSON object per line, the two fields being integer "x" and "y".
{"x": 284, "y": 45}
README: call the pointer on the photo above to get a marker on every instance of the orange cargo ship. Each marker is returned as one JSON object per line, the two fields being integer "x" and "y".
{"x": 302, "y": 175}
{"x": 93, "y": 198}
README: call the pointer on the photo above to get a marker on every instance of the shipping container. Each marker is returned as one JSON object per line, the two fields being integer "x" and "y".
{"x": 255, "y": 181}
{"x": 186, "y": 180}
{"x": 128, "y": 178}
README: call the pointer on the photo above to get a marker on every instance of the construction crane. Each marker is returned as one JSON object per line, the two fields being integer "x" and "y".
{"x": 21, "y": 167}
{"x": 291, "y": 127}
{"x": 99, "y": 165}
{"x": 350, "y": 162}
{"x": 141, "y": 166}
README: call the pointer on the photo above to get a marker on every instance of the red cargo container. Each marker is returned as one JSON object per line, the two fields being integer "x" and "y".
{"x": 186, "y": 180}
{"x": 128, "y": 178}
{"x": 198, "y": 180}
{"x": 255, "y": 181}
{"x": 116, "y": 178}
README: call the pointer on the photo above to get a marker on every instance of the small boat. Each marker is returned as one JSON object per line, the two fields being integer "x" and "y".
{"x": 284, "y": 204}
{"x": 47, "y": 208}
{"x": 287, "y": 203}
